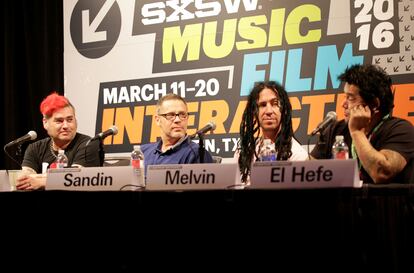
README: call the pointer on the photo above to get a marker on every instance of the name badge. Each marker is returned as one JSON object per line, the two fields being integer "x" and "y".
{"x": 325, "y": 173}
{"x": 208, "y": 176}
{"x": 119, "y": 178}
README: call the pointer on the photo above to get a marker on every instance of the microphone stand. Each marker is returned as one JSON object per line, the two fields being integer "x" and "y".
{"x": 201, "y": 150}
{"x": 18, "y": 153}
{"x": 19, "y": 150}
{"x": 321, "y": 141}
{"x": 101, "y": 152}
{"x": 309, "y": 139}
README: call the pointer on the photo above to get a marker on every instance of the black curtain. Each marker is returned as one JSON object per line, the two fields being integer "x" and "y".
{"x": 32, "y": 66}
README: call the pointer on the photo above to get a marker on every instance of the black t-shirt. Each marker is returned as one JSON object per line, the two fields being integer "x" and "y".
{"x": 394, "y": 134}
{"x": 77, "y": 153}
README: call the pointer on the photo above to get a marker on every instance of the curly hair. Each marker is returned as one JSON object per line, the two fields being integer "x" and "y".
{"x": 373, "y": 82}
{"x": 250, "y": 128}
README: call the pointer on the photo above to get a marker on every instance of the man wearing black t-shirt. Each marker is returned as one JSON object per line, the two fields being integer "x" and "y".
{"x": 60, "y": 122}
{"x": 382, "y": 144}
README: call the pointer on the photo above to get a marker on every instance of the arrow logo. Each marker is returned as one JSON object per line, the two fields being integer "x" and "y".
{"x": 89, "y": 33}
{"x": 95, "y": 27}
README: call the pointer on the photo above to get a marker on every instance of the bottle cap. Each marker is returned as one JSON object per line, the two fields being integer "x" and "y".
{"x": 339, "y": 137}
{"x": 137, "y": 147}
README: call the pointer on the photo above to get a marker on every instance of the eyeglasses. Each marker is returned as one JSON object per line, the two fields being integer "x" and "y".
{"x": 171, "y": 116}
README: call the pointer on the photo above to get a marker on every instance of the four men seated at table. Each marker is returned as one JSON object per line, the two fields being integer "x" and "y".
{"x": 382, "y": 144}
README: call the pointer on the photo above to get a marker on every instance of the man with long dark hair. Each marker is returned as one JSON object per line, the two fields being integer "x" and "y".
{"x": 268, "y": 115}
{"x": 382, "y": 144}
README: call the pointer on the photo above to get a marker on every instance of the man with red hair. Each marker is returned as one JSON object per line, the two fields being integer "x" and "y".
{"x": 60, "y": 122}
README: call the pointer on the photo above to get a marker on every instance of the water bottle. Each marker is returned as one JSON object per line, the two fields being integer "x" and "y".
{"x": 61, "y": 160}
{"x": 339, "y": 149}
{"x": 137, "y": 158}
{"x": 268, "y": 152}
{"x": 137, "y": 163}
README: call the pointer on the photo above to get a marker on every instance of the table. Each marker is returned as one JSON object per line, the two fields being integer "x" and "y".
{"x": 322, "y": 230}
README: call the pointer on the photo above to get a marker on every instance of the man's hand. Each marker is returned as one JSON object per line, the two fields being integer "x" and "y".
{"x": 359, "y": 119}
{"x": 27, "y": 181}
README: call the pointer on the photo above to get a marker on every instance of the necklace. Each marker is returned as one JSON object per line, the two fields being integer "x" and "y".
{"x": 52, "y": 151}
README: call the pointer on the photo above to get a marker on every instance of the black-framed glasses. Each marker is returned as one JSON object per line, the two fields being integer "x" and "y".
{"x": 171, "y": 116}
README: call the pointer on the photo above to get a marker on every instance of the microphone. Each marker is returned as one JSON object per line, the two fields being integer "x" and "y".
{"x": 111, "y": 131}
{"x": 209, "y": 127}
{"x": 330, "y": 117}
{"x": 32, "y": 135}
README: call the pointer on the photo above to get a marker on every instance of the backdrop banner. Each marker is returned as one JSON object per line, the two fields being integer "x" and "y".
{"x": 122, "y": 56}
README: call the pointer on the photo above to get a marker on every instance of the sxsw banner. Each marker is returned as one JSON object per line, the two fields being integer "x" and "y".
{"x": 122, "y": 56}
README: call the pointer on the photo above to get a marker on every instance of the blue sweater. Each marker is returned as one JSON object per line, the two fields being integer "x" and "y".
{"x": 185, "y": 152}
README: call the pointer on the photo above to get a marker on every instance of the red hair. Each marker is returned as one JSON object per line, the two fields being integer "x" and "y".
{"x": 52, "y": 103}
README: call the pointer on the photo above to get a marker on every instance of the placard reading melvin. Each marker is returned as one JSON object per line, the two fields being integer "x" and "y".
{"x": 191, "y": 176}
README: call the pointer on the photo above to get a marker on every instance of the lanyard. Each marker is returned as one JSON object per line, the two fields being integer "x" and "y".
{"x": 353, "y": 149}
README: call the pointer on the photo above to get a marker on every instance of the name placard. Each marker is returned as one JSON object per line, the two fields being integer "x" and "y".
{"x": 209, "y": 176}
{"x": 119, "y": 178}
{"x": 325, "y": 173}
{"x": 4, "y": 181}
